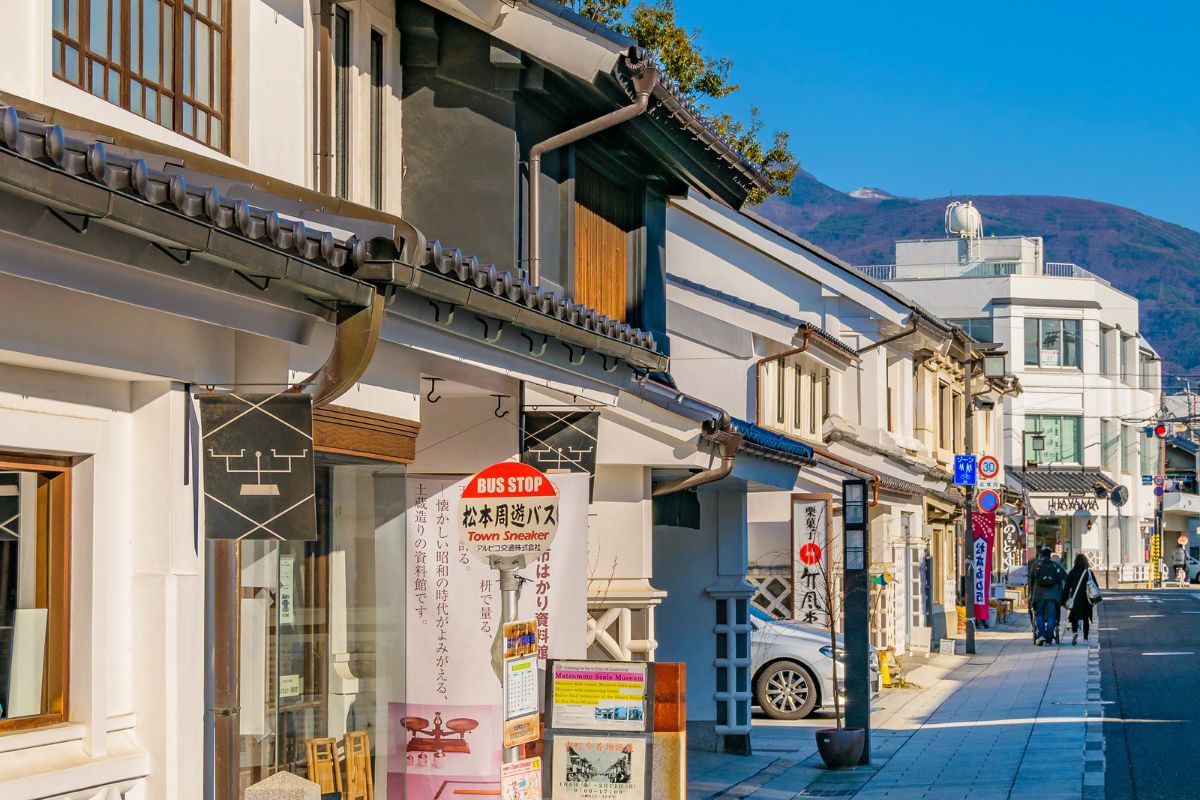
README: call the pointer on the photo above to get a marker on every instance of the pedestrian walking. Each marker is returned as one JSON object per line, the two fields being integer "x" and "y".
{"x": 1180, "y": 563}
{"x": 1047, "y": 585}
{"x": 1079, "y": 597}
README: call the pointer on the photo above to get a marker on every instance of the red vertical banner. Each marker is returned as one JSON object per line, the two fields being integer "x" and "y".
{"x": 983, "y": 534}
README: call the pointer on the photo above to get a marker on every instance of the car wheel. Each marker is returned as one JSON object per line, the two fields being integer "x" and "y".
{"x": 786, "y": 690}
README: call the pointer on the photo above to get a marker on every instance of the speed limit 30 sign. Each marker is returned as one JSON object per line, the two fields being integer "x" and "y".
{"x": 989, "y": 467}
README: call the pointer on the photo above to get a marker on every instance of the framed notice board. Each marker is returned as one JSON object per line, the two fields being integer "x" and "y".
{"x": 599, "y": 696}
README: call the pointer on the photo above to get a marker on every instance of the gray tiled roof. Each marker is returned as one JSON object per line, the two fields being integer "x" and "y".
{"x": 1060, "y": 480}
{"x": 342, "y": 247}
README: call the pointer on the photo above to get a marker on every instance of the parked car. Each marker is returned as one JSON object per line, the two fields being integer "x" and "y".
{"x": 792, "y": 665}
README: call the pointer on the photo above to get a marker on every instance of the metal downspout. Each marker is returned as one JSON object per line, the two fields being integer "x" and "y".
{"x": 758, "y": 367}
{"x": 730, "y": 443}
{"x": 644, "y": 80}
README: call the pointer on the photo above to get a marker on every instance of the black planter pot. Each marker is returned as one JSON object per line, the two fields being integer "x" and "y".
{"x": 841, "y": 748}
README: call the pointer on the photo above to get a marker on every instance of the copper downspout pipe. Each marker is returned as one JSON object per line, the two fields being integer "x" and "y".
{"x": 644, "y": 80}
{"x": 730, "y": 442}
{"x": 758, "y": 367}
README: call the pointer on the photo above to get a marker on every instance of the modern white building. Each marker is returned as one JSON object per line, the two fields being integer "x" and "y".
{"x": 1090, "y": 382}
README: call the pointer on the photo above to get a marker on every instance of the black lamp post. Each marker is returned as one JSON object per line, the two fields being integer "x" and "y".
{"x": 856, "y": 613}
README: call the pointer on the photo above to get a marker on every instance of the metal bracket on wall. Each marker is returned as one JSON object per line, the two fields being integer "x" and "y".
{"x": 536, "y": 349}
{"x": 62, "y": 216}
{"x": 488, "y": 336}
{"x": 266, "y": 280}
{"x": 330, "y": 308}
{"x": 443, "y": 313}
{"x": 432, "y": 385}
{"x": 500, "y": 414}
{"x": 616, "y": 362}
{"x": 170, "y": 252}
{"x": 574, "y": 359}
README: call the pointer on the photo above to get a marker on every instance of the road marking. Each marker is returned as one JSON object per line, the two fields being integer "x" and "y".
{"x": 1189, "y": 612}
{"x": 1144, "y": 616}
{"x": 1108, "y": 629}
{"x": 1170, "y": 653}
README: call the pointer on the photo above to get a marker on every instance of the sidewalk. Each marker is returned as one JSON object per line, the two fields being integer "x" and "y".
{"x": 1012, "y": 721}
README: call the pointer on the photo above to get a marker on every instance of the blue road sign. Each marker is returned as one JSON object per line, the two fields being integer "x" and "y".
{"x": 1147, "y": 480}
{"x": 964, "y": 470}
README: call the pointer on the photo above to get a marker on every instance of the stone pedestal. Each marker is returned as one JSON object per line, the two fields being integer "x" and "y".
{"x": 284, "y": 786}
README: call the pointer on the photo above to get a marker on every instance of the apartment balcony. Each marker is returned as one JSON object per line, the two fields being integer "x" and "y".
{"x": 1176, "y": 502}
{"x": 977, "y": 269}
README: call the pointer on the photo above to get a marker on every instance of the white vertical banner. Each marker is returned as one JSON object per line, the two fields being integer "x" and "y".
{"x": 447, "y": 735}
{"x": 811, "y": 538}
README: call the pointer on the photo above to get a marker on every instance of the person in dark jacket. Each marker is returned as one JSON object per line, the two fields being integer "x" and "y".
{"x": 1080, "y": 605}
{"x": 1047, "y": 585}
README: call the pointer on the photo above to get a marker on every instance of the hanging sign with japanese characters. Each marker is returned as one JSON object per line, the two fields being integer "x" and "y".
{"x": 983, "y": 529}
{"x": 257, "y": 457}
{"x": 810, "y": 557}
{"x": 508, "y": 513}
{"x": 452, "y": 609}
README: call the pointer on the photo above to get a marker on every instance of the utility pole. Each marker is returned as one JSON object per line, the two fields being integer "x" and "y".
{"x": 969, "y": 533}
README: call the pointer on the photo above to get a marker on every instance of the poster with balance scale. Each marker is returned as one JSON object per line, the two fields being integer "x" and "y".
{"x": 445, "y": 740}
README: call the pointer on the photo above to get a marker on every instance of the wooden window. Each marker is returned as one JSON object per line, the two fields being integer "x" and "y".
{"x": 780, "y": 392}
{"x": 34, "y": 591}
{"x": 341, "y": 100}
{"x": 376, "y": 121}
{"x": 797, "y": 398}
{"x": 165, "y": 60}
{"x": 605, "y": 217}
{"x": 814, "y": 385}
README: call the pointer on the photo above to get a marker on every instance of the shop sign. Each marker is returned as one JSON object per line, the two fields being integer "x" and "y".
{"x": 810, "y": 557}
{"x": 1078, "y": 503}
{"x": 590, "y": 767}
{"x": 598, "y": 695}
{"x": 521, "y": 780}
{"x": 452, "y": 699}
{"x": 983, "y": 530}
{"x": 257, "y": 460}
{"x": 1011, "y": 546}
{"x": 508, "y": 512}
{"x": 561, "y": 441}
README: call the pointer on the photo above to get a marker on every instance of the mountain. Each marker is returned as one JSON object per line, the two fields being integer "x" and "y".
{"x": 1155, "y": 261}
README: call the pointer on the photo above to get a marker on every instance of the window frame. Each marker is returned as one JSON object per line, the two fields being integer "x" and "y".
{"x": 55, "y": 692}
{"x": 221, "y": 73}
{"x": 1040, "y": 331}
{"x": 1077, "y": 445}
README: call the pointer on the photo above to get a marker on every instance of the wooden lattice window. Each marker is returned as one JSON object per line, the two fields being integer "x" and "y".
{"x": 165, "y": 60}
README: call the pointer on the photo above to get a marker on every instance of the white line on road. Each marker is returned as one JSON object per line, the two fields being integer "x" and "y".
{"x": 1170, "y": 653}
{"x": 1108, "y": 629}
{"x": 1144, "y": 616}
{"x": 1189, "y": 612}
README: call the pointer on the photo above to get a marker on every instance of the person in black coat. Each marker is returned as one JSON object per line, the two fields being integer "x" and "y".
{"x": 1081, "y": 606}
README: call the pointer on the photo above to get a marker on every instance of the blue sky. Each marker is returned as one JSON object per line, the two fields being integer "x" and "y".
{"x": 1097, "y": 100}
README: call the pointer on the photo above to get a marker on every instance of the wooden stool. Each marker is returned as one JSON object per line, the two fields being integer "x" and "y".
{"x": 360, "y": 784}
{"x": 322, "y": 765}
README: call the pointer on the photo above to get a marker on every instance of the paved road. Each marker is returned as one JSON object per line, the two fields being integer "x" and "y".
{"x": 1150, "y": 680}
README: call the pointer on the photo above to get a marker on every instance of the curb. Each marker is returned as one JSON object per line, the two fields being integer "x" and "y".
{"x": 1094, "y": 761}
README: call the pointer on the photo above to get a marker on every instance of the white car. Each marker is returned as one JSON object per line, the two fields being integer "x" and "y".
{"x": 792, "y": 666}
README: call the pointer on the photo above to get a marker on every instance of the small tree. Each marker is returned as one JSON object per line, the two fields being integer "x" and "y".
{"x": 654, "y": 25}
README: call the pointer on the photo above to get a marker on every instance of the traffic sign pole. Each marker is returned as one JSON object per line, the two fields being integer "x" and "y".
{"x": 969, "y": 533}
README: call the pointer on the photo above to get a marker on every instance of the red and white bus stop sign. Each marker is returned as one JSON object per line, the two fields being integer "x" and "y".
{"x": 508, "y": 514}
